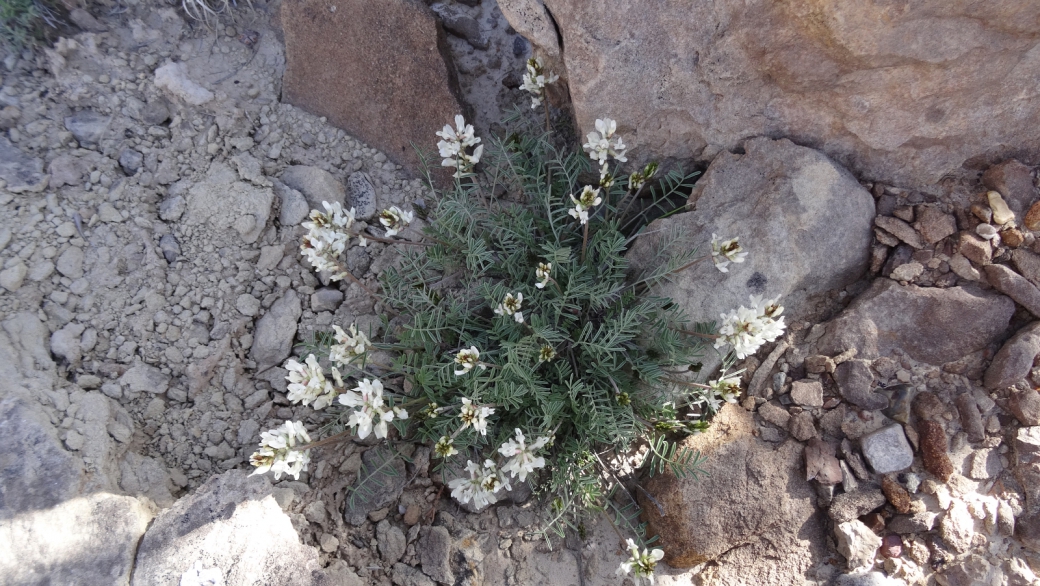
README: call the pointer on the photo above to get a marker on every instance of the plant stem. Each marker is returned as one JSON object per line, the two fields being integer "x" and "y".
{"x": 688, "y": 384}
{"x": 584, "y": 241}
{"x": 390, "y": 241}
{"x": 331, "y": 439}
{"x": 699, "y": 335}
{"x": 689, "y": 264}
{"x": 357, "y": 281}
{"x": 548, "y": 125}
{"x": 635, "y": 196}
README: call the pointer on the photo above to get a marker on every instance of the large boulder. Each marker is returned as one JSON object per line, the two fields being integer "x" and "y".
{"x": 380, "y": 71}
{"x": 232, "y": 524}
{"x": 85, "y": 540}
{"x": 932, "y": 325}
{"x": 896, "y": 91}
{"x": 805, "y": 222}
{"x": 753, "y": 502}
{"x": 59, "y": 521}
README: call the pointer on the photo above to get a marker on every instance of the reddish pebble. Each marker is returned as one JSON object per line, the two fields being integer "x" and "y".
{"x": 891, "y": 546}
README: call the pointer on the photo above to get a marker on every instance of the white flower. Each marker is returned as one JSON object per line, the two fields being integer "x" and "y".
{"x": 542, "y": 274}
{"x": 468, "y": 358}
{"x": 522, "y": 457}
{"x": 348, "y": 346}
{"x": 600, "y": 146}
{"x": 454, "y": 144}
{"x": 746, "y": 329}
{"x": 481, "y": 486}
{"x": 394, "y": 219}
{"x": 536, "y": 79}
{"x": 728, "y": 388}
{"x": 371, "y": 414}
{"x": 444, "y": 447}
{"x": 276, "y": 453}
{"x": 327, "y": 236}
{"x": 588, "y": 199}
{"x": 198, "y": 575}
{"x": 579, "y": 214}
{"x": 511, "y": 306}
{"x": 640, "y": 565}
{"x": 476, "y": 416}
{"x": 724, "y": 252}
{"x": 771, "y": 308}
{"x": 307, "y": 383}
{"x": 546, "y": 354}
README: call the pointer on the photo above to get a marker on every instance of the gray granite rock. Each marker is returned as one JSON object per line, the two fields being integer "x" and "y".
{"x": 275, "y": 331}
{"x": 1014, "y": 286}
{"x": 1025, "y": 404}
{"x": 316, "y": 185}
{"x": 887, "y": 450}
{"x": 231, "y": 523}
{"x": 856, "y": 383}
{"x": 851, "y": 505}
{"x": 326, "y": 299}
{"x": 1015, "y": 358}
{"x": 361, "y": 195}
{"x": 21, "y": 172}
{"x": 435, "y": 555}
{"x": 932, "y": 325}
{"x": 805, "y": 221}
{"x": 88, "y": 126}
{"x": 808, "y": 393}
{"x": 392, "y": 541}
{"x": 145, "y": 378}
{"x": 294, "y": 207}
{"x": 857, "y": 543}
{"x": 172, "y": 208}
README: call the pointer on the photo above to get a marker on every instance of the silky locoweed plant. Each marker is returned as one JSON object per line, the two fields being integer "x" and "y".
{"x": 522, "y": 345}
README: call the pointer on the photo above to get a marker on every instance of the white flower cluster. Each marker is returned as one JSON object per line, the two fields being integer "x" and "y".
{"x": 542, "y": 274}
{"x": 481, "y": 485}
{"x": 327, "y": 237}
{"x": 484, "y": 481}
{"x": 536, "y": 79}
{"x": 454, "y": 144}
{"x": 276, "y": 453}
{"x": 394, "y": 219}
{"x": 307, "y": 383}
{"x": 511, "y": 306}
{"x": 640, "y": 565}
{"x": 467, "y": 358}
{"x": 476, "y": 416}
{"x": 348, "y": 346}
{"x": 746, "y": 329}
{"x": 724, "y": 252}
{"x": 370, "y": 413}
{"x": 588, "y": 199}
{"x": 523, "y": 460}
{"x": 602, "y": 143}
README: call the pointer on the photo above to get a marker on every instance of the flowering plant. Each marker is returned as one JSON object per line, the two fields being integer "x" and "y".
{"x": 526, "y": 348}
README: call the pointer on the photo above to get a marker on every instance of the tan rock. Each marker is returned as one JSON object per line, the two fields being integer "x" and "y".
{"x": 893, "y": 93}
{"x": 764, "y": 505}
{"x": 376, "y": 70}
